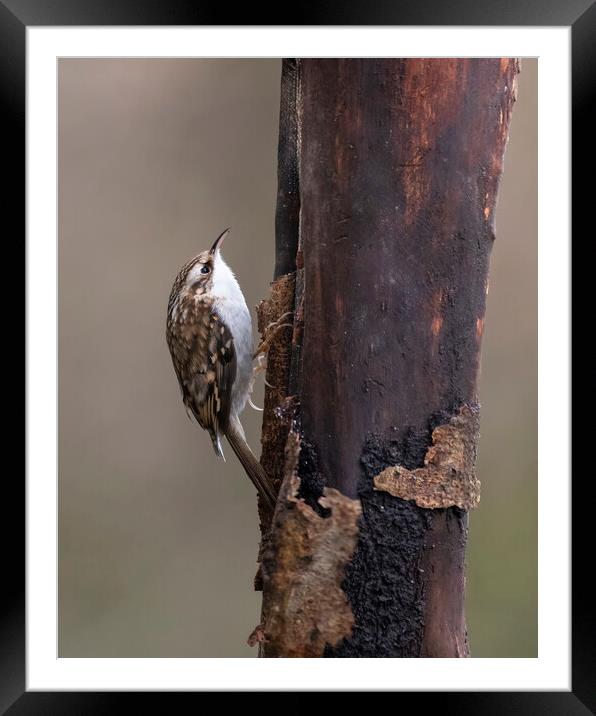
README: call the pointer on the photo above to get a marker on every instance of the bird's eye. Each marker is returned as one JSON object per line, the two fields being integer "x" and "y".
{"x": 205, "y": 269}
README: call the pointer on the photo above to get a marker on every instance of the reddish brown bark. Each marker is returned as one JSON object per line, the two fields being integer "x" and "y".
{"x": 398, "y": 164}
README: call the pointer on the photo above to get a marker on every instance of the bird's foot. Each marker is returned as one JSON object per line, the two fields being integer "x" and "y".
{"x": 261, "y": 367}
{"x": 270, "y": 333}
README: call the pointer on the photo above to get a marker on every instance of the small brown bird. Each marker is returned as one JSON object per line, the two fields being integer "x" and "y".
{"x": 209, "y": 334}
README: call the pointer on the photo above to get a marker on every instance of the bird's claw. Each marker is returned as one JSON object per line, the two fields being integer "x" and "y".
{"x": 269, "y": 335}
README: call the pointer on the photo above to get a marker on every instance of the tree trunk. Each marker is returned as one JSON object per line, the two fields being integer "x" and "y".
{"x": 388, "y": 177}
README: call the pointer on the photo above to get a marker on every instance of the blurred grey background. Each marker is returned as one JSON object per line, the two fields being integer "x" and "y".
{"x": 157, "y": 538}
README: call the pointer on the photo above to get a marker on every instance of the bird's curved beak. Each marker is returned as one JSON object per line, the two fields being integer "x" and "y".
{"x": 219, "y": 240}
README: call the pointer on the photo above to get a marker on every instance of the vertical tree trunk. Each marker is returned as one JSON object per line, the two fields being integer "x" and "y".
{"x": 388, "y": 177}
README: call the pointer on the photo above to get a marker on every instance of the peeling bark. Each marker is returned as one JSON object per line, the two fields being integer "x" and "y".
{"x": 397, "y": 165}
{"x": 275, "y": 431}
{"x": 448, "y": 478}
{"x": 303, "y": 562}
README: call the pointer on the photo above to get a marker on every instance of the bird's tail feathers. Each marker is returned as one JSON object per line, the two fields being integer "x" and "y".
{"x": 253, "y": 468}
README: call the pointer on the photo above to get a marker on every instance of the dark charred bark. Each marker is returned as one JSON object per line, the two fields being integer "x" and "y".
{"x": 288, "y": 196}
{"x": 397, "y": 163}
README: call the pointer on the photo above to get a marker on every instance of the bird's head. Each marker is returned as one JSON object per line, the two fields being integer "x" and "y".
{"x": 199, "y": 277}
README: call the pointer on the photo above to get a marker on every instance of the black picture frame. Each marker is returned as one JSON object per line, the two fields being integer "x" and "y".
{"x": 15, "y": 17}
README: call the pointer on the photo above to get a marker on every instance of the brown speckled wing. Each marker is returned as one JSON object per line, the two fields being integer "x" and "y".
{"x": 204, "y": 359}
{"x": 221, "y": 373}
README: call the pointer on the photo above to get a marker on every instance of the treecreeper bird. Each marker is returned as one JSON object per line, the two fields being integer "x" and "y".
{"x": 209, "y": 334}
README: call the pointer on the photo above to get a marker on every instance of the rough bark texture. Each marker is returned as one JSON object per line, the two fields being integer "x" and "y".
{"x": 448, "y": 478}
{"x": 274, "y": 431}
{"x": 304, "y": 606}
{"x": 398, "y": 164}
{"x": 288, "y": 195}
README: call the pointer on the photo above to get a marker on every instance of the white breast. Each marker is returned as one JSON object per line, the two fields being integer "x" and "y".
{"x": 231, "y": 307}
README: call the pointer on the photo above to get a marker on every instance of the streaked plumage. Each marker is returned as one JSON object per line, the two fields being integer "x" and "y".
{"x": 209, "y": 334}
